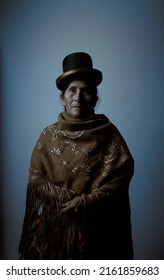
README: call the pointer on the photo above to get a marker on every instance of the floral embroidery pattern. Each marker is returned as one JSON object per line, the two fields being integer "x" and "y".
{"x": 72, "y": 134}
{"x": 72, "y": 146}
{"x": 56, "y": 151}
{"x": 83, "y": 160}
{"x": 54, "y": 132}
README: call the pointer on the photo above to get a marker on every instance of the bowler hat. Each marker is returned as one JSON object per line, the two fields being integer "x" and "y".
{"x": 78, "y": 65}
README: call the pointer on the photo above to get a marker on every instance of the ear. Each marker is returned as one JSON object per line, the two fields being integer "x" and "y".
{"x": 62, "y": 98}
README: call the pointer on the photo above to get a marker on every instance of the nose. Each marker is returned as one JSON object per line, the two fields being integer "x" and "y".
{"x": 78, "y": 95}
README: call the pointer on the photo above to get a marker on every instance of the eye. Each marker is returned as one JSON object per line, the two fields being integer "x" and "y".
{"x": 72, "y": 90}
{"x": 87, "y": 91}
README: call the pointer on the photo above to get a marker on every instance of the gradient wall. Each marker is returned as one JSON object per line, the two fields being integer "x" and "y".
{"x": 126, "y": 41}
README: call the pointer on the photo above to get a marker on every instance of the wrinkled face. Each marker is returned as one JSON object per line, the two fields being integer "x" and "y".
{"x": 79, "y": 99}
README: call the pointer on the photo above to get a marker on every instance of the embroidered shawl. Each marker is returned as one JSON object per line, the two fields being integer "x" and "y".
{"x": 88, "y": 158}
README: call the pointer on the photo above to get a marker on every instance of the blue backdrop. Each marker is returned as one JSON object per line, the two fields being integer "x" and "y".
{"x": 126, "y": 41}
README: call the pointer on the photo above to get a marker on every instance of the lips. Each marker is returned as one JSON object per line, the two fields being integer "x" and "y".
{"x": 76, "y": 106}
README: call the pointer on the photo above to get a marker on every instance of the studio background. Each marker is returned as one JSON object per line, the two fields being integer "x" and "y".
{"x": 126, "y": 41}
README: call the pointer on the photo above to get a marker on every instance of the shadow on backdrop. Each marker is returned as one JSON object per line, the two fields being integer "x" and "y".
{"x": 1, "y": 166}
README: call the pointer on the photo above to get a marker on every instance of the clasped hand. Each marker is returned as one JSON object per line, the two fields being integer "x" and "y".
{"x": 71, "y": 205}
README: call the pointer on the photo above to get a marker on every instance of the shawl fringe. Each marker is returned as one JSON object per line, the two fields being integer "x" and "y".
{"x": 48, "y": 234}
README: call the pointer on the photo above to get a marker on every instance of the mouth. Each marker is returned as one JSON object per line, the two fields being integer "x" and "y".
{"x": 77, "y": 106}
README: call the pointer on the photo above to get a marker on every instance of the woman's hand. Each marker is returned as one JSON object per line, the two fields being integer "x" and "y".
{"x": 73, "y": 204}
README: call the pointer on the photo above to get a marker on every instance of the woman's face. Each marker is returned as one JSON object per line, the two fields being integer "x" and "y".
{"x": 79, "y": 100}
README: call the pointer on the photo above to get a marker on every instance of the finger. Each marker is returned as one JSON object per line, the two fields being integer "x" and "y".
{"x": 66, "y": 209}
{"x": 70, "y": 202}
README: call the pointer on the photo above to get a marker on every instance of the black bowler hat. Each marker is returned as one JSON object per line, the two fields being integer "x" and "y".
{"x": 78, "y": 66}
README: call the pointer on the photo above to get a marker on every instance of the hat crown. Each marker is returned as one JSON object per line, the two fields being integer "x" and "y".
{"x": 78, "y": 66}
{"x": 77, "y": 60}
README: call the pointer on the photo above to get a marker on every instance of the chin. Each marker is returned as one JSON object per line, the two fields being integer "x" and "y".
{"x": 78, "y": 114}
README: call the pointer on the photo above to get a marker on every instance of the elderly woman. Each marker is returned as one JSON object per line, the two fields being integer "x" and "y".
{"x": 77, "y": 204}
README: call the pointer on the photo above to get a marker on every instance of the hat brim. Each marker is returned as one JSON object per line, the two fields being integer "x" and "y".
{"x": 93, "y": 76}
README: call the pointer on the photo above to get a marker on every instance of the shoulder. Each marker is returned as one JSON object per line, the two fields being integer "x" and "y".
{"x": 118, "y": 139}
{"x": 50, "y": 129}
{"x": 48, "y": 132}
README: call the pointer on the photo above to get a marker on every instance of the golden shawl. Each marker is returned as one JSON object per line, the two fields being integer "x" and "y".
{"x": 89, "y": 158}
